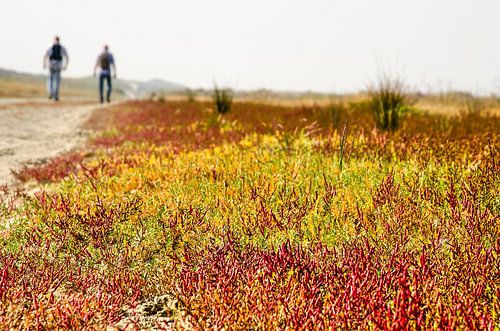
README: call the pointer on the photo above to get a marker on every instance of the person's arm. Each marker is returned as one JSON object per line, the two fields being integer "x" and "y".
{"x": 96, "y": 65}
{"x": 45, "y": 59}
{"x": 114, "y": 66}
{"x": 66, "y": 58}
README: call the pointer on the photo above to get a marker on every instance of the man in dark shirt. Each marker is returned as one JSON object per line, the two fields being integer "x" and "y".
{"x": 54, "y": 59}
{"x": 104, "y": 62}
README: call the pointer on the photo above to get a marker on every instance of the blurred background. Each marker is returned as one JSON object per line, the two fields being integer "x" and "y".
{"x": 289, "y": 45}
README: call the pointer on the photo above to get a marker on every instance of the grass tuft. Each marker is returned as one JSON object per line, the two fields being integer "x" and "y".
{"x": 190, "y": 95}
{"x": 389, "y": 100}
{"x": 223, "y": 100}
{"x": 337, "y": 112}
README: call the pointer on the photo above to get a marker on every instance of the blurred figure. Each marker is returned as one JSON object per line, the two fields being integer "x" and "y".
{"x": 54, "y": 60}
{"x": 104, "y": 62}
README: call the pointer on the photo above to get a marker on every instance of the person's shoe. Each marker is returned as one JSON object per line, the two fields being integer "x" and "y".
{"x": 56, "y": 99}
{"x": 108, "y": 99}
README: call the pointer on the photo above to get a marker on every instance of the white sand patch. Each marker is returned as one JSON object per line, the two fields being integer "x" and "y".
{"x": 32, "y": 132}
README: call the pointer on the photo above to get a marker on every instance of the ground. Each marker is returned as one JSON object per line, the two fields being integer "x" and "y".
{"x": 269, "y": 217}
{"x": 33, "y": 131}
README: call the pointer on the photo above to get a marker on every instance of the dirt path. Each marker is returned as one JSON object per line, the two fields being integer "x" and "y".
{"x": 33, "y": 131}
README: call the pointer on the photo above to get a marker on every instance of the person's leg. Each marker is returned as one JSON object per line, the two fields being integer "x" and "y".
{"x": 108, "y": 78}
{"x": 57, "y": 78}
{"x": 101, "y": 86}
{"x": 50, "y": 84}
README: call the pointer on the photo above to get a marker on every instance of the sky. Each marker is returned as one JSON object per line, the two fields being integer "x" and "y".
{"x": 320, "y": 45}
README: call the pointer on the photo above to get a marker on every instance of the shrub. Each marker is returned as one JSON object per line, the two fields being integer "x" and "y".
{"x": 223, "y": 100}
{"x": 389, "y": 100}
{"x": 337, "y": 112}
{"x": 190, "y": 95}
{"x": 474, "y": 105}
{"x": 55, "y": 170}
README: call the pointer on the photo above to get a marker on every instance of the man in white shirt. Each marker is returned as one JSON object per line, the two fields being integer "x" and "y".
{"x": 104, "y": 62}
{"x": 56, "y": 58}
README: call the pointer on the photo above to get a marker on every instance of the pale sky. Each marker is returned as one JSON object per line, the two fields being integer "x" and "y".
{"x": 322, "y": 45}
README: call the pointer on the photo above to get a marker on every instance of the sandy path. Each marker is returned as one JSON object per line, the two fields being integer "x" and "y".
{"x": 31, "y": 132}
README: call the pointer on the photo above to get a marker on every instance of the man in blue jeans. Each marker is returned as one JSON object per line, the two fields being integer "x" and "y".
{"x": 54, "y": 59}
{"x": 104, "y": 62}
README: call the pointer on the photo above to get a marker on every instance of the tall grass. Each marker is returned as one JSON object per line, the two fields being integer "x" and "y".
{"x": 223, "y": 100}
{"x": 337, "y": 113}
{"x": 190, "y": 95}
{"x": 389, "y": 100}
{"x": 343, "y": 138}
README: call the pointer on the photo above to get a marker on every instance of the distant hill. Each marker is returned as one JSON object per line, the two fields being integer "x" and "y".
{"x": 19, "y": 84}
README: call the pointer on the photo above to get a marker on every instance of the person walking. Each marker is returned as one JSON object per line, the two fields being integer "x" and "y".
{"x": 56, "y": 58}
{"x": 105, "y": 61}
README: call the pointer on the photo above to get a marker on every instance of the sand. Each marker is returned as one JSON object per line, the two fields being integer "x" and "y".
{"x": 31, "y": 132}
